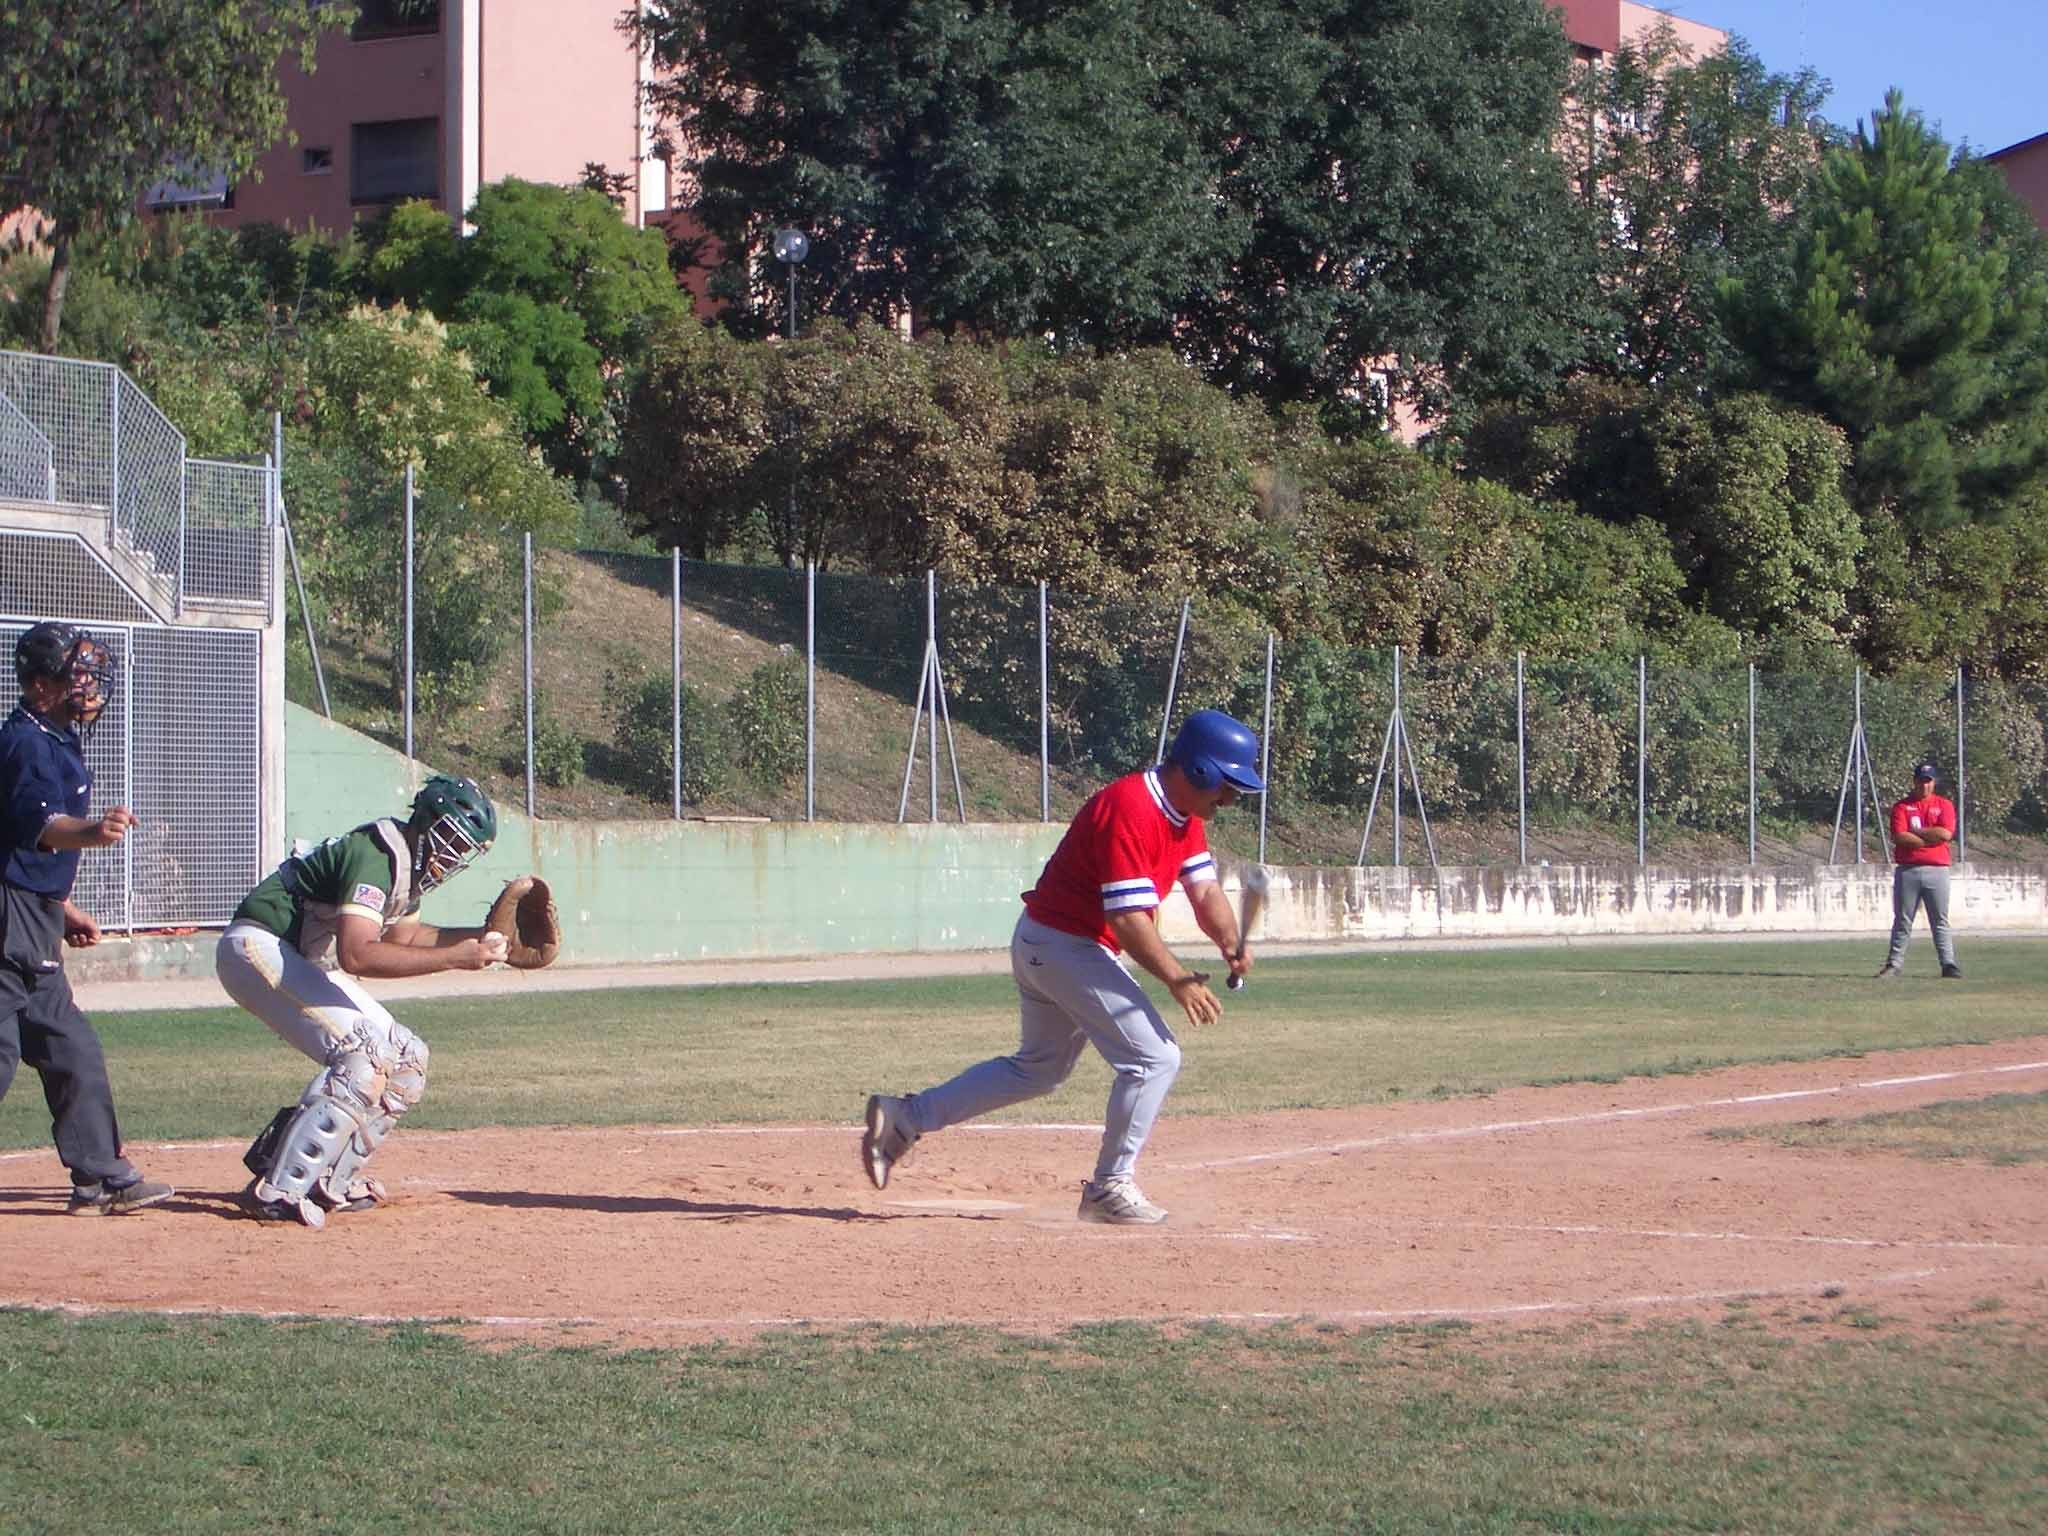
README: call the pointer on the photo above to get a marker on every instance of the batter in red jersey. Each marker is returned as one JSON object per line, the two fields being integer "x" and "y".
{"x": 1095, "y": 909}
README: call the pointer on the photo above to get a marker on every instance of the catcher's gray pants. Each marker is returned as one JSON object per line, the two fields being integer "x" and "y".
{"x": 1073, "y": 993}
{"x": 1915, "y": 886}
{"x": 320, "y": 1013}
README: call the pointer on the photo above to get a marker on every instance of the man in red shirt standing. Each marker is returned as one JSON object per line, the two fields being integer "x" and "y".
{"x": 1923, "y": 826}
{"x": 1096, "y": 903}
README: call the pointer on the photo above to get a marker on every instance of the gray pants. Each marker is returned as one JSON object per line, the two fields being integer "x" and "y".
{"x": 1915, "y": 886}
{"x": 41, "y": 1025}
{"x": 1072, "y": 993}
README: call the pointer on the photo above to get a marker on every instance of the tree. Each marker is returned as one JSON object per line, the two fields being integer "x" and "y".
{"x": 1914, "y": 317}
{"x": 554, "y": 297}
{"x": 1406, "y": 211}
{"x": 1000, "y": 168}
{"x": 98, "y": 102}
{"x": 1691, "y": 166}
{"x": 1285, "y": 191}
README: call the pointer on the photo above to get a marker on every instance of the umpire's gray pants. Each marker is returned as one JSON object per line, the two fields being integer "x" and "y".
{"x": 1915, "y": 886}
{"x": 1072, "y": 993}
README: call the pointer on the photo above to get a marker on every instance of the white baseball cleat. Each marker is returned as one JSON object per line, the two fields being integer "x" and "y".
{"x": 888, "y": 1139}
{"x": 1119, "y": 1203}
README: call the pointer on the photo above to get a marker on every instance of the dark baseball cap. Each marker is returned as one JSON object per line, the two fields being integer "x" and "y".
{"x": 1927, "y": 770}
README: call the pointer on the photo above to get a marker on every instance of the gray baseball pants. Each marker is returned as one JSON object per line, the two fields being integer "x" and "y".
{"x": 1072, "y": 993}
{"x": 1915, "y": 886}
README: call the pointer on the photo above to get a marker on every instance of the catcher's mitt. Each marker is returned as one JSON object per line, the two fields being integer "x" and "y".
{"x": 525, "y": 913}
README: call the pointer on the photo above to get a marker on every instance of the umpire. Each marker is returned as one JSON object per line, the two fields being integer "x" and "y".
{"x": 45, "y": 787}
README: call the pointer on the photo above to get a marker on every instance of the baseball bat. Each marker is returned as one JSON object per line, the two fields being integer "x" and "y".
{"x": 1251, "y": 902}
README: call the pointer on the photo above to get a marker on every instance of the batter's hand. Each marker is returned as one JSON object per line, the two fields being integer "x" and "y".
{"x": 1196, "y": 1000}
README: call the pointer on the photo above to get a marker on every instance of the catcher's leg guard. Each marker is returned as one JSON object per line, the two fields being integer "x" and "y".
{"x": 315, "y": 1160}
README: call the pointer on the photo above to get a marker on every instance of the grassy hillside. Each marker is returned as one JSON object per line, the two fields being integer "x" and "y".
{"x": 611, "y": 614}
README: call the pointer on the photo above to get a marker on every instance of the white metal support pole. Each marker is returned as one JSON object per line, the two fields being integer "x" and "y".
{"x": 1044, "y": 723}
{"x": 408, "y": 611}
{"x": 526, "y": 554}
{"x": 1521, "y": 761}
{"x": 810, "y": 690}
{"x": 1752, "y": 762}
{"x": 1173, "y": 680}
{"x": 675, "y": 683}
{"x": 114, "y": 423}
{"x": 1266, "y": 748}
{"x": 1400, "y": 735}
{"x": 1962, "y": 786}
{"x": 291, "y": 550}
{"x": 1642, "y": 758}
{"x": 931, "y": 661}
{"x": 1862, "y": 749}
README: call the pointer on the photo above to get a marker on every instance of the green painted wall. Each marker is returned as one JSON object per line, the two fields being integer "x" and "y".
{"x": 636, "y": 891}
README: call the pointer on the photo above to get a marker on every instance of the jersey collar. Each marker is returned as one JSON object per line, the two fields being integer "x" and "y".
{"x": 1158, "y": 793}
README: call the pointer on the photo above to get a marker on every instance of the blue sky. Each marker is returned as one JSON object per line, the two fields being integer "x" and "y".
{"x": 1974, "y": 68}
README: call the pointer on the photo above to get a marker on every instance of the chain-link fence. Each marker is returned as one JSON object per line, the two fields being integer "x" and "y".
{"x": 660, "y": 686}
{"x": 86, "y": 434}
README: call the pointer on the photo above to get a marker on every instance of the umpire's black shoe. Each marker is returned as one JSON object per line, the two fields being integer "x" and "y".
{"x": 1952, "y": 973}
{"x": 105, "y": 1200}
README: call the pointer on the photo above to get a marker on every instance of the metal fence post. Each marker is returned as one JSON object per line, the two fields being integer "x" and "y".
{"x": 1962, "y": 788}
{"x": 1173, "y": 680}
{"x": 1752, "y": 762}
{"x": 675, "y": 682}
{"x": 1266, "y": 749}
{"x": 408, "y": 611}
{"x": 1642, "y": 758}
{"x": 114, "y": 479}
{"x": 1397, "y": 723}
{"x": 1521, "y": 762}
{"x": 527, "y": 627}
{"x": 810, "y": 690}
{"x": 1044, "y": 724}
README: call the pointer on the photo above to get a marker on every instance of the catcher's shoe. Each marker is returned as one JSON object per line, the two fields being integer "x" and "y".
{"x": 888, "y": 1139}
{"x": 266, "y": 1203}
{"x": 364, "y": 1194}
{"x": 105, "y": 1200}
{"x": 1119, "y": 1203}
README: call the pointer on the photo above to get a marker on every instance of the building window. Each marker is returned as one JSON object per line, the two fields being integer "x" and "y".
{"x": 316, "y": 160}
{"x": 389, "y": 162}
{"x": 395, "y": 18}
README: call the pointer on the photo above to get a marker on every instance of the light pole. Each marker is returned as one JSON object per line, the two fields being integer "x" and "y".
{"x": 791, "y": 247}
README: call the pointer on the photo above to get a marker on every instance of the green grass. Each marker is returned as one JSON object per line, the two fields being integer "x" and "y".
{"x": 173, "y": 1427}
{"x": 1311, "y": 1032}
{"x": 1810, "y": 1416}
{"x": 2003, "y": 1130}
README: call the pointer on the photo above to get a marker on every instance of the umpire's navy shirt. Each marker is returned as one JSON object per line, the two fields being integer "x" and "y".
{"x": 42, "y": 774}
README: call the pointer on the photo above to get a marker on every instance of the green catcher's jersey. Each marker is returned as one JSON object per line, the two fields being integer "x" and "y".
{"x": 365, "y": 872}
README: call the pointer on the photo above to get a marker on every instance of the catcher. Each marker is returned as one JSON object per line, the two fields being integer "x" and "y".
{"x": 345, "y": 909}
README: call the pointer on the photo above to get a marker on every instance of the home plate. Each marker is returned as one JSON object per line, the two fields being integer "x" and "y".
{"x": 959, "y": 1205}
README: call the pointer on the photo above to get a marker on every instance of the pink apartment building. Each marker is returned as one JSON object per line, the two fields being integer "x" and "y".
{"x": 436, "y": 98}
{"x": 2026, "y": 171}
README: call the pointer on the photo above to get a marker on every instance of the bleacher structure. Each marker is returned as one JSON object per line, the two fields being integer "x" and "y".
{"x": 173, "y": 562}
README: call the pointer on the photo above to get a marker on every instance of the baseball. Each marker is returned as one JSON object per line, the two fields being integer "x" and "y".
{"x": 494, "y": 947}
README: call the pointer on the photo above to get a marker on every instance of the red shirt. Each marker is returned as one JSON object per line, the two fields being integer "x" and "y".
{"x": 1916, "y": 815}
{"x": 1122, "y": 853}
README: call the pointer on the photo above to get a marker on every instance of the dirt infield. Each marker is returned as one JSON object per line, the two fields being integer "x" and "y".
{"x": 1586, "y": 1200}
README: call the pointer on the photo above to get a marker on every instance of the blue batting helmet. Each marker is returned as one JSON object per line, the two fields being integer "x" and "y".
{"x": 1213, "y": 749}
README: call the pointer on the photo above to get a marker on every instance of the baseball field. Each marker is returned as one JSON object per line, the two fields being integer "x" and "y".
{"x": 1631, "y": 1238}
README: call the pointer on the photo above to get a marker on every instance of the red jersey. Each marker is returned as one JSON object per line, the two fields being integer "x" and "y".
{"x": 1916, "y": 816}
{"x": 1122, "y": 853}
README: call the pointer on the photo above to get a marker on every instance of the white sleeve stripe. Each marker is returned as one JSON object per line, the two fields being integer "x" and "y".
{"x": 1190, "y": 878}
{"x": 1115, "y": 887}
{"x": 1131, "y": 901}
{"x": 1198, "y": 861}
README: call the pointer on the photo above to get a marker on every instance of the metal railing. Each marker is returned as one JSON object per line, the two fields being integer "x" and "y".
{"x": 28, "y": 465}
{"x": 198, "y": 529}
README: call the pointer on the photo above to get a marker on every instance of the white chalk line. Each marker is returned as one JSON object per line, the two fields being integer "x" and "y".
{"x": 1795, "y": 1239}
{"x": 1594, "y": 1117}
{"x": 1834, "y": 1290}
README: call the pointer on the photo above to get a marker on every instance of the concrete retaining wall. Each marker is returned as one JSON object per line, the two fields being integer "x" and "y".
{"x": 652, "y": 891}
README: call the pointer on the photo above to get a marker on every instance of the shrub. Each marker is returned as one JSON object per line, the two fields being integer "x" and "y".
{"x": 640, "y": 709}
{"x": 767, "y": 719}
